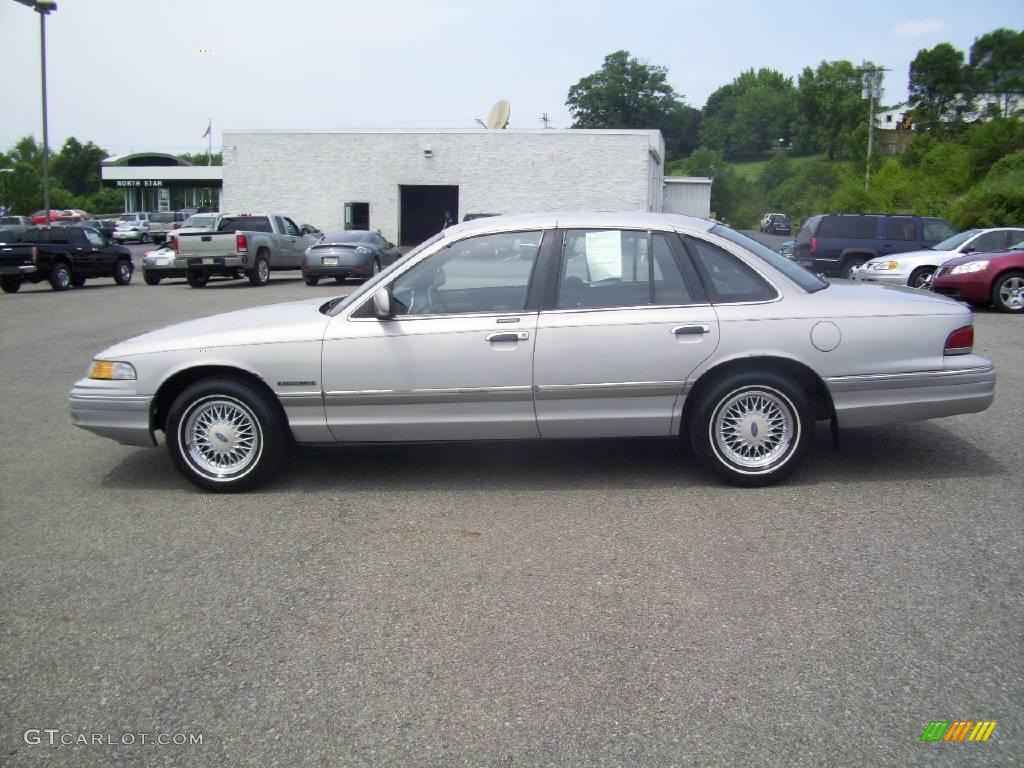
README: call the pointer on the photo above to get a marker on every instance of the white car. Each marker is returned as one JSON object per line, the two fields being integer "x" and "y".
{"x": 547, "y": 326}
{"x": 917, "y": 268}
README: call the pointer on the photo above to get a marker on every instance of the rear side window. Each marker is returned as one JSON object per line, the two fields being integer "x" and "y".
{"x": 727, "y": 279}
{"x": 244, "y": 224}
{"x": 848, "y": 227}
{"x": 901, "y": 228}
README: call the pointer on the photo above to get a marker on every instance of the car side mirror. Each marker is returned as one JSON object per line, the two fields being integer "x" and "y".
{"x": 382, "y": 304}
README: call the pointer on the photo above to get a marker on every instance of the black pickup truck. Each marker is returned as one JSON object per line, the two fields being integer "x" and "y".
{"x": 63, "y": 256}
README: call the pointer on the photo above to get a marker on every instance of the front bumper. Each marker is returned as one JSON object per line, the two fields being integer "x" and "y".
{"x": 112, "y": 409}
{"x": 865, "y": 401}
{"x": 973, "y": 286}
{"x": 883, "y": 276}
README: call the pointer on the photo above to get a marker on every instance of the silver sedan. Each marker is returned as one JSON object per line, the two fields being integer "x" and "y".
{"x": 547, "y": 326}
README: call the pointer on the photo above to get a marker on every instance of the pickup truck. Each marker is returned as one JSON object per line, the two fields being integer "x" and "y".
{"x": 63, "y": 256}
{"x": 162, "y": 224}
{"x": 243, "y": 246}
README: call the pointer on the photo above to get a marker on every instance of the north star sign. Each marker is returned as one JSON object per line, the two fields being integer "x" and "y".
{"x": 140, "y": 182}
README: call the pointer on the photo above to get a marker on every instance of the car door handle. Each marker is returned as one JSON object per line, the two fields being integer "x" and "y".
{"x": 691, "y": 330}
{"x": 508, "y": 336}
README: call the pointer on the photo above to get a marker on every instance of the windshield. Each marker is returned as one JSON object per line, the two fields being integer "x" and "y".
{"x": 334, "y": 306}
{"x": 954, "y": 242}
{"x": 806, "y": 280}
{"x": 200, "y": 221}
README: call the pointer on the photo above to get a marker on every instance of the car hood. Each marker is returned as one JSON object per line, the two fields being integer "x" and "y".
{"x": 992, "y": 256}
{"x": 274, "y": 323}
{"x": 922, "y": 257}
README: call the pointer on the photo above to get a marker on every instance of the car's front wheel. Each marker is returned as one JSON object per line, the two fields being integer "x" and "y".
{"x": 226, "y": 435}
{"x": 1008, "y": 292}
{"x": 752, "y": 429}
{"x": 123, "y": 272}
{"x": 850, "y": 266}
{"x": 921, "y": 277}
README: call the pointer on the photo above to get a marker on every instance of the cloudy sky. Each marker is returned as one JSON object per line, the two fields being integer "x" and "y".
{"x": 148, "y": 74}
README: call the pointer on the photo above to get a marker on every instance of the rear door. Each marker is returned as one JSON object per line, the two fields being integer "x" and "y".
{"x": 628, "y": 323}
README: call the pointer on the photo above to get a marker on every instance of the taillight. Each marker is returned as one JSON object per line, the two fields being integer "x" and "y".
{"x": 174, "y": 244}
{"x": 241, "y": 243}
{"x": 960, "y": 341}
{"x": 35, "y": 254}
{"x": 814, "y": 244}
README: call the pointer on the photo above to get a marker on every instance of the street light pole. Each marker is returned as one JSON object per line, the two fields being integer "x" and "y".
{"x": 43, "y": 7}
{"x": 7, "y": 202}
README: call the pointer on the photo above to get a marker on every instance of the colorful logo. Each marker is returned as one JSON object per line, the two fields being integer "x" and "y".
{"x": 958, "y": 730}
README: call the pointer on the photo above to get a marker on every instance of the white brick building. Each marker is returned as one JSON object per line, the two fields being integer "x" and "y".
{"x": 403, "y": 182}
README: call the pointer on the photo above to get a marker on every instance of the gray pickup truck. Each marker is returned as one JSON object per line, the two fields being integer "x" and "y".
{"x": 244, "y": 246}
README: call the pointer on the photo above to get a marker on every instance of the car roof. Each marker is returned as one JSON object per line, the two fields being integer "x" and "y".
{"x": 581, "y": 220}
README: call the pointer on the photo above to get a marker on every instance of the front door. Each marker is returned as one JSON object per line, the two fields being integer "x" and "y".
{"x": 630, "y": 323}
{"x": 455, "y": 362}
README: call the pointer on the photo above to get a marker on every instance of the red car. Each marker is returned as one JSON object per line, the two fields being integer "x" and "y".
{"x": 985, "y": 278}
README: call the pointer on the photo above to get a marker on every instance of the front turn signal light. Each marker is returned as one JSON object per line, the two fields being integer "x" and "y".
{"x": 111, "y": 371}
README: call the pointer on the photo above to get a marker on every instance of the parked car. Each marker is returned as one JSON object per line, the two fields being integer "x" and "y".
{"x": 243, "y": 246}
{"x": 473, "y": 216}
{"x": 838, "y": 244}
{"x": 546, "y": 326}
{"x": 916, "y": 268}
{"x": 132, "y": 226}
{"x": 105, "y": 227}
{"x": 65, "y": 256}
{"x": 158, "y": 264}
{"x": 349, "y": 253}
{"x": 162, "y": 224}
{"x": 985, "y": 278}
{"x": 18, "y": 224}
{"x": 39, "y": 217}
{"x": 775, "y": 224}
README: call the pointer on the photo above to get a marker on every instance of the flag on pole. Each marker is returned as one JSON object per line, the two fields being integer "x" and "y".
{"x": 208, "y": 127}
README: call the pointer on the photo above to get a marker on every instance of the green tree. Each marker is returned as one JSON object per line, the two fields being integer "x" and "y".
{"x": 627, "y": 93}
{"x": 77, "y": 166}
{"x": 939, "y": 85}
{"x": 997, "y": 68}
{"x": 749, "y": 115}
{"x": 199, "y": 158}
{"x": 829, "y": 107}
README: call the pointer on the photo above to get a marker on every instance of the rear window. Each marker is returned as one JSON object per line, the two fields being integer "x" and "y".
{"x": 245, "y": 224}
{"x": 848, "y": 227}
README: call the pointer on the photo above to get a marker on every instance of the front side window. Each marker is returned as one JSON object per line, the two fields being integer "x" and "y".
{"x": 488, "y": 273}
{"x": 290, "y": 228}
{"x": 95, "y": 238}
{"x": 728, "y": 279}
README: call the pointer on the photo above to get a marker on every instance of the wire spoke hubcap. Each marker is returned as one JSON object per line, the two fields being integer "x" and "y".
{"x": 222, "y": 437}
{"x": 754, "y": 428}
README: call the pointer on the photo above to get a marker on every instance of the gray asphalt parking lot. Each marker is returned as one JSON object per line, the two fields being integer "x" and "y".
{"x": 579, "y": 603}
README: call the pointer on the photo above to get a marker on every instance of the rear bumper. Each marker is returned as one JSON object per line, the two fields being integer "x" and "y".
{"x": 864, "y": 401}
{"x": 109, "y": 411}
{"x": 18, "y": 269}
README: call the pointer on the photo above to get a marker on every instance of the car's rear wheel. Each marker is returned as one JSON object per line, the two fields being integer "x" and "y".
{"x": 921, "y": 277}
{"x": 60, "y": 276}
{"x": 260, "y": 272}
{"x": 311, "y": 280}
{"x": 226, "y": 435}
{"x": 751, "y": 429}
{"x": 197, "y": 279}
{"x": 151, "y": 279}
{"x": 1008, "y": 292}
{"x": 123, "y": 272}
{"x": 10, "y": 284}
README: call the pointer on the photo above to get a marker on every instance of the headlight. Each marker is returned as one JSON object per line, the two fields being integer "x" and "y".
{"x": 108, "y": 370}
{"x": 966, "y": 269}
{"x": 890, "y": 265}
{"x": 363, "y": 249}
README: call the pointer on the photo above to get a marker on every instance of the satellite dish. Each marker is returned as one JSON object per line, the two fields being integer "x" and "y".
{"x": 498, "y": 117}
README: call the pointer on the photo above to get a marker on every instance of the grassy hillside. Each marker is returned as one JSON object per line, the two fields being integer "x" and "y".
{"x": 751, "y": 170}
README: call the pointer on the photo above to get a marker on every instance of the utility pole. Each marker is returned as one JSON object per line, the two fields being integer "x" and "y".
{"x": 545, "y": 119}
{"x": 43, "y": 7}
{"x": 872, "y": 91}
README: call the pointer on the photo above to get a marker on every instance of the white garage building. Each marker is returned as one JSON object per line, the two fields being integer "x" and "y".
{"x": 404, "y": 182}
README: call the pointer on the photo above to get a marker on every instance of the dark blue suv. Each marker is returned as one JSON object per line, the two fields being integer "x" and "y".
{"x": 837, "y": 244}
